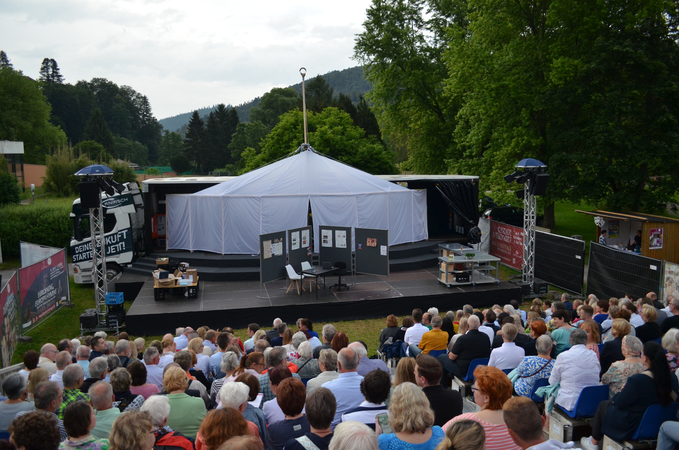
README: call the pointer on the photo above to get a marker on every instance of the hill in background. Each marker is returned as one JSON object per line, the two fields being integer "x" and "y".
{"x": 350, "y": 82}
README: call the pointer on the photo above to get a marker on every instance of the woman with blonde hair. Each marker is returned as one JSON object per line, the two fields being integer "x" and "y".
{"x": 132, "y": 431}
{"x": 139, "y": 344}
{"x": 593, "y": 339}
{"x": 186, "y": 412}
{"x": 202, "y": 361}
{"x": 462, "y": 329}
{"x": 612, "y": 350}
{"x": 405, "y": 371}
{"x": 491, "y": 390}
{"x": 411, "y": 419}
{"x": 37, "y": 375}
{"x": 464, "y": 435}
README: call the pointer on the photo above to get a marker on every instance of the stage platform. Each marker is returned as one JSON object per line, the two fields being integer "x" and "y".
{"x": 238, "y": 303}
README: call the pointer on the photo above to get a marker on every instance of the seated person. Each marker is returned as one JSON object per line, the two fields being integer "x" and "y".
{"x": 472, "y": 345}
{"x": 436, "y": 339}
{"x": 509, "y": 355}
{"x": 616, "y": 376}
{"x": 375, "y": 387}
{"x": 534, "y": 368}
{"x": 574, "y": 370}
{"x": 650, "y": 330}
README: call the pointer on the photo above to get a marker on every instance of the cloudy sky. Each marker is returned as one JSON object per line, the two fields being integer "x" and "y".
{"x": 183, "y": 55}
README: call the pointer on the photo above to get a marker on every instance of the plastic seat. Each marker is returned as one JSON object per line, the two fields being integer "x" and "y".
{"x": 653, "y": 418}
{"x": 473, "y": 365}
{"x": 588, "y": 401}
{"x": 542, "y": 382}
{"x": 437, "y": 353}
{"x": 507, "y": 371}
{"x": 311, "y": 278}
{"x": 294, "y": 278}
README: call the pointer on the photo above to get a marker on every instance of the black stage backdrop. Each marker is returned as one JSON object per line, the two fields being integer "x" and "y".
{"x": 560, "y": 261}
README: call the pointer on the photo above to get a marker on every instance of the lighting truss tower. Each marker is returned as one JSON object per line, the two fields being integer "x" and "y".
{"x": 529, "y": 221}
{"x": 99, "y": 260}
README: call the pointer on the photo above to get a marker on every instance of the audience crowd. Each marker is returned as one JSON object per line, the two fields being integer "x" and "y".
{"x": 293, "y": 388}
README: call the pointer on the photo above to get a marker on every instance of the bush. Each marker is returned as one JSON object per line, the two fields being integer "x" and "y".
{"x": 9, "y": 190}
{"x": 39, "y": 223}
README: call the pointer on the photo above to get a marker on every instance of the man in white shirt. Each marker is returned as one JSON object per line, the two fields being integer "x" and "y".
{"x": 62, "y": 361}
{"x": 574, "y": 370}
{"x": 509, "y": 355}
{"x": 48, "y": 354}
{"x": 488, "y": 331}
{"x": 154, "y": 372}
{"x": 182, "y": 339}
{"x": 414, "y": 334}
{"x": 250, "y": 343}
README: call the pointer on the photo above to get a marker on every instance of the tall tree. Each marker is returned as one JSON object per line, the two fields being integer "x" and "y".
{"x": 24, "y": 116}
{"x": 344, "y": 103}
{"x": 194, "y": 141}
{"x": 49, "y": 72}
{"x": 247, "y": 135}
{"x": 274, "y": 103}
{"x": 366, "y": 119}
{"x": 220, "y": 126}
{"x": 4, "y": 60}
{"x": 97, "y": 130}
{"x": 401, "y": 50}
{"x": 318, "y": 94}
{"x": 171, "y": 144}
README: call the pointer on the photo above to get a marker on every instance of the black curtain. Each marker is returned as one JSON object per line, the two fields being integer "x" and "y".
{"x": 462, "y": 196}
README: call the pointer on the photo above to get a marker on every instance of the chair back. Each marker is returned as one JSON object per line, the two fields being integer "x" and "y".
{"x": 437, "y": 353}
{"x": 542, "y": 382}
{"x": 341, "y": 265}
{"x": 508, "y": 371}
{"x": 588, "y": 401}
{"x": 306, "y": 265}
{"x": 659, "y": 340}
{"x": 654, "y": 416}
{"x": 473, "y": 365}
{"x": 291, "y": 272}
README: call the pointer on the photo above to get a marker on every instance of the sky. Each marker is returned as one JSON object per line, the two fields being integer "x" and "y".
{"x": 183, "y": 55}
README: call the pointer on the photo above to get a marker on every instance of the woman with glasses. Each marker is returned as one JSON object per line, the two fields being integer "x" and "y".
{"x": 79, "y": 419}
{"x": 491, "y": 390}
{"x": 252, "y": 364}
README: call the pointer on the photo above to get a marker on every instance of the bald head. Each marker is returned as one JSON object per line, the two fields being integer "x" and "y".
{"x": 473, "y": 322}
{"x": 49, "y": 351}
{"x": 347, "y": 359}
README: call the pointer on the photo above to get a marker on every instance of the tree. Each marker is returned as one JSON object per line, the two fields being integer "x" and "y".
{"x": 318, "y": 94}
{"x": 366, "y": 119}
{"x": 344, "y": 103}
{"x": 97, "y": 130}
{"x": 93, "y": 150}
{"x": 49, "y": 72}
{"x": 194, "y": 141}
{"x": 220, "y": 126}
{"x": 131, "y": 151}
{"x": 401, "y": 50}
{"x": 9, "y": 189}
{"x": 171, "y": 144}
{"x": 247, "y": 135}
{"x": 4, "y": 60}
{"x": 24, "y": 116}
{"x": 180, "y": 164}
{"x": 274, "y": 103}
{"x": 331, "y": 132}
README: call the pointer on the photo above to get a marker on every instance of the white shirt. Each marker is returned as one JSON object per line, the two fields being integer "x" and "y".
{"x": 249, "y": 344}
{"x": 182, "y": 342}
{"x": 203, "y": 365}
{"x": 320, "y": 380}
{"x": 211, "y": 346}
{"x": 315, "y": 342}
{"x": 488, "y": 332}
{"x": 57, "y": 378}
{"x": 154, "y": 375}
{"x": 552, "y": 444}
{"x": 509, "y": 356}
{"x": 575, "y": 369}
{"x": 636, "y": 320}
{"x": 414, "y": 334}
{"x": 165, "y": 359}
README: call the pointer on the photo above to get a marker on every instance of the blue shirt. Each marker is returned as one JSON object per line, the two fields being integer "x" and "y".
{"x": 347, "y": 391}
{"x": 391, "y": 442}
{"x": 215, "y": 364}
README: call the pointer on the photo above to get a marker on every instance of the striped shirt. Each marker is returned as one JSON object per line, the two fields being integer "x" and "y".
{"x": 497, "y": 436}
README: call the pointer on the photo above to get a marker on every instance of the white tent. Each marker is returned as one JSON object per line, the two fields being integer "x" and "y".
{"x": 229, "y": 217}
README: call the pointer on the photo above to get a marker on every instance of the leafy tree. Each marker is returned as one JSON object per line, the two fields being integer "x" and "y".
{"x": 180, "y": 163}
{"x": 318, "y": 94}
{"x": 171, "y": 144}
{"x": 24, "y": 116}
{"x": 152, "y": 171}
{"x": 97, "y": 130}
{"x": 274, "y": 103}
{"x": 122, "y": 173}
{"x": 9, "y": 189}
{"x": 71, "y": 108}
{"x": 93, "y": 150}
{"x": 331, "y": 132}
{"x": 401, "y": 50}
{"x": 59, "y": 170}
{"x": 247, "y": 135}
{"x": 131, "y": 151}
{"x": 194, "y": 142}
{"x": 4, "y": 60}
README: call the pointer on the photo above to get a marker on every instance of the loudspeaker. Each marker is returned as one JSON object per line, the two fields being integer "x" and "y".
{"x": 539, "y": 184}
{"x": 89, "y": 194}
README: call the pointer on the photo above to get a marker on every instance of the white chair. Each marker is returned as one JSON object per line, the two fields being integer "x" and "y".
{"x": 294, "y": 278}
{"x": 311, "y": 278}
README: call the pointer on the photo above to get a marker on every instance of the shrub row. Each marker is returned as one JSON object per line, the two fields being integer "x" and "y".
{"x": 39, "y": 223}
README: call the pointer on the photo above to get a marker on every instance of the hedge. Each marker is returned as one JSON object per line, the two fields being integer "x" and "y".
{"x": 39, "y": 223}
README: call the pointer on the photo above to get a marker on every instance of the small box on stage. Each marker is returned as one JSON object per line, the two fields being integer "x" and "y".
{"x": 525, "y": 288}
{"x": 462, "y": 277}
{"x": 115, "y": 298}
{"x": 88, "y": 319}
{"x": 540, "y": 287}
{"x": 163, "y": 274}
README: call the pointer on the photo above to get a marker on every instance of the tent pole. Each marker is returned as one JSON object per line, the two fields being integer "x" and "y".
{"x": 302, "y": 72}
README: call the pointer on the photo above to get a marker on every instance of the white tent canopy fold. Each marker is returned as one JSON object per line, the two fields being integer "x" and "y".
{"x": 229, "y": 217}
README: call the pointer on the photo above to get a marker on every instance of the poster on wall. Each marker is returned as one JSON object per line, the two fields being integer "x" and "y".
{"x": 326, "y": 238}
{"x": 341, "y": 238}
{"x": 305, "y": 238}
{"x": 44, "y": 287}
{"x": 277, "y": 247}
{"x": 613, "y": 229}
{"x": 294, "y": 240}
{"x": 506, "y": 243}
{"x": 371, "y": 242}
{"x": 655, "y": 239}
{"x": 9, "y": 318}
{"x": 671, "y": 283}
{"x": 266, "y": 246}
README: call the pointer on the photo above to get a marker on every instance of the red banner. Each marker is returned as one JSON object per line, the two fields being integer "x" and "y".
{"x": 44, "y": 287}
{"x": 9, "y": 318}
{"x": 506, "y": 242}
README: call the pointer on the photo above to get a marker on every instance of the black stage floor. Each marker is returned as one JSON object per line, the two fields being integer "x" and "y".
{"x": 238, "y": 303}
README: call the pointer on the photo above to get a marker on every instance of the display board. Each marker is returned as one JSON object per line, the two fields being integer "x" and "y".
{"x": 44, "y": 287}
{"x": 671, "y": 284}
{"x": 335, "y": 244}
{"x": 614, "y": 273}
{"x": 506, "y": 243}
{"x": 300, "y": 247}
{"x": 33, "y": 253}
{"x": 272, "y": 256}
{"x": 9, "y": 318}
{"x": 372, "y": 251}
{"x": 560, "y": 261}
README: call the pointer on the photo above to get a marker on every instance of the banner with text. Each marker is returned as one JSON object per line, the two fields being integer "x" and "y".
{"x": 116, "y": 243}
{"x": 506, "y": 243}
{"x": 9, "y": 318}
{"x": 44, "y": 287}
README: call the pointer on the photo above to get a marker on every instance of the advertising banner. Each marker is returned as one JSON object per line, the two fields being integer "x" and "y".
{"x": 9, "y": 318}
{"x": 32, "y": 253}
{"x": 44, "y": 287}
{"x": 506, "y": 243}
{"x": 671, "y": 284}
{"x": 116, "y": 243}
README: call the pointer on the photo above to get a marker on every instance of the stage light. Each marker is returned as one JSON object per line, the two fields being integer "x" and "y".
{"x": 512, "y": 176}
{"x": 521, "y": 179}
